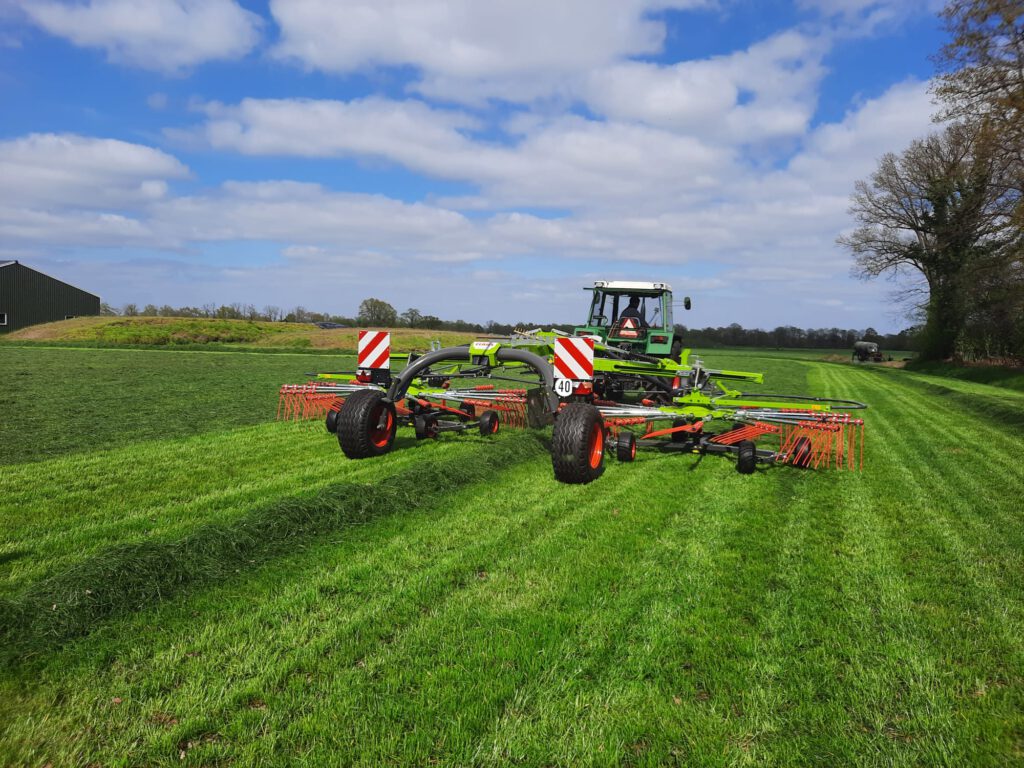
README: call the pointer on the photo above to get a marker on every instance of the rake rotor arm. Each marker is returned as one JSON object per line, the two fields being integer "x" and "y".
{"x": 401, "y": 383}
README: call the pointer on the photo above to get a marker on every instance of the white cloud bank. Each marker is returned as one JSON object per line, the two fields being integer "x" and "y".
{"x": 757, "y": 228}
{"x": 164, "y": 35}
{"x": 469, "y": 50}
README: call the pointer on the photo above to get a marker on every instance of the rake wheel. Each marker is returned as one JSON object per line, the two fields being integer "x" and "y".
{"x": 425, "y": 426}
{"x": 577, "y": 444}
{"x": 366, "y": 425}
{"x": 679, "y": 437}
{"x": 489, "y": 423}
{"x": 802, "y": 453}
{"x": 332, "y": 422}
{"x": 746, "y": 457}
{"x": 625, "y": 446}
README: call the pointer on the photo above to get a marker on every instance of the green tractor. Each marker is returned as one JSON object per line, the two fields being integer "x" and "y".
{"x": 634, "y": 316}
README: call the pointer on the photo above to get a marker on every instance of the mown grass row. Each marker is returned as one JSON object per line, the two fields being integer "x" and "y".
{"x": 127, "y": 575}
{"x": 77, "y": 400}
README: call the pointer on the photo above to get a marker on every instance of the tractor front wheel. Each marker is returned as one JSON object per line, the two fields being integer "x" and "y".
{"x": 366, "y": 425}
{"x": 577, "y": 444}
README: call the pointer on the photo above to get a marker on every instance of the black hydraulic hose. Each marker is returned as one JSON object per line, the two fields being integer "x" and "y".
{"x": 853, "y": 405}
{"x": 400, "y": 384}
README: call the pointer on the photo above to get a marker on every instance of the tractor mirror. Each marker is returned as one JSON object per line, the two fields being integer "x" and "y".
{"x": 686, "y": 302}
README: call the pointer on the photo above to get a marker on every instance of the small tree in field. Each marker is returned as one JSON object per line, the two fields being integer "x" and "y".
{"x": 377, "y": 312}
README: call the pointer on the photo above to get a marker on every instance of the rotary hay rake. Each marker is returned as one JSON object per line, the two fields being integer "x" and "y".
{"x": 600, "y": 398}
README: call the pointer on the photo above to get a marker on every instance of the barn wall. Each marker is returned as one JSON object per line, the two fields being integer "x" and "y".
{"x": 29, "y": 297}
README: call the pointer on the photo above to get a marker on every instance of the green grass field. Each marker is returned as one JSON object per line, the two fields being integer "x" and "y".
{"x": 184, "y": 581}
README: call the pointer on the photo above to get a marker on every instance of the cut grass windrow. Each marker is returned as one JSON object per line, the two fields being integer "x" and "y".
{"x": 125, "y": 577}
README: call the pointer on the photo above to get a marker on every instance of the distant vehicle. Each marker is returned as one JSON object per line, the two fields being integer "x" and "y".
{"x": 329, "y": 326}
{"x": 866, "y": 351}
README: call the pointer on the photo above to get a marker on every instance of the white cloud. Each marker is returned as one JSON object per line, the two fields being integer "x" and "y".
{"x": 46, "y": 169}
{"x": 566, "y": 162}
{"x": 865, "y": 17}
{"x": 407, "y": 132}
{"x": 466, "y": 49}
{"x": 163, "y": 35}
{"x": 766, "y": 92}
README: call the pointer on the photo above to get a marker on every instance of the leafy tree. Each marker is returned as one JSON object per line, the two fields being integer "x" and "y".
{"x": 108, "y": 311}
{"x": 939, "y": 210}
{"x": 983, "y": 83}
{"x": 412, "y": 317}
{"x": 984, "y": 77}
{"x": 130, "y": 310}
{"x": 377, "y": 312}
{"x": 432, "y": 322}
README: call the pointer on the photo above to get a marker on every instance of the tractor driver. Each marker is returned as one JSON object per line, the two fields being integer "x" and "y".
{"x": 633, "y": 310}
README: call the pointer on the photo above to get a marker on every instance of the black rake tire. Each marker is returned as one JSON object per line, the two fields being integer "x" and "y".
{"x": 680, "y": 437}
{"x": 577, "y": 444}
{"x": 625, "y": 446}
{"x": 332, "y": 422}
{"x": 489, "y": 423}
{"x": 746, "y": 457}
{"x": 425, "y": 427}
{"x": 802, "y": 453}
{"x": 366, "y": 425}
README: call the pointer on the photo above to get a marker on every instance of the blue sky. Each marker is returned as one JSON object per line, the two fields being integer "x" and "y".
{"x": 480, "y": 160}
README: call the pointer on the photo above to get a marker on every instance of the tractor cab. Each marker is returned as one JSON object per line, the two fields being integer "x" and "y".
{"x": 634, "y": 315}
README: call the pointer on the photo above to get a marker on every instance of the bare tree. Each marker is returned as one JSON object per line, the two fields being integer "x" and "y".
{"x": 939, "y": 209}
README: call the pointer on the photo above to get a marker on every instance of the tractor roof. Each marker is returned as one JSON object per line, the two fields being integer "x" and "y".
{"x": 626, "y": 285}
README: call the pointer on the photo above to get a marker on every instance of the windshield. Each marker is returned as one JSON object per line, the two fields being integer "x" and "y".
{"x": 608, "y": 307}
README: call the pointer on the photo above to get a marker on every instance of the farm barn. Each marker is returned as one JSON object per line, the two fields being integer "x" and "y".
{"x": 28, "y": 297}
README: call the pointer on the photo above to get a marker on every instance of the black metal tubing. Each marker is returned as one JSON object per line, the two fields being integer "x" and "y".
{"x": 852, "y": 405}
{"x": 400, "y": 384}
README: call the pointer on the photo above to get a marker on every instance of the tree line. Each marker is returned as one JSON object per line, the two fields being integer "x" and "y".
{"x": 949, "y": 209}
{"x": 378, "y": 313}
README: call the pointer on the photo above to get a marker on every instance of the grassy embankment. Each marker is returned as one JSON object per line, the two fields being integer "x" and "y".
{"x": 212, "y": 334}
{"x": 185, "y": 582}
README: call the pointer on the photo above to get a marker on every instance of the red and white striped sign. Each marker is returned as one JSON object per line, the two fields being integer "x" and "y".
{"x": 574, "y": 358}
{"x": 374, "y": 350}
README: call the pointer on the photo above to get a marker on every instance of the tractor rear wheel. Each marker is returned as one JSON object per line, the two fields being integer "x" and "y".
{"x": 366, "y": 425}
{"x": 746, "y": 457}
{"x": 577, "y": 444}
{"x": 489, "y": 423}
{"x": 625, "y": 446}
{"x": 677, "y": 350}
